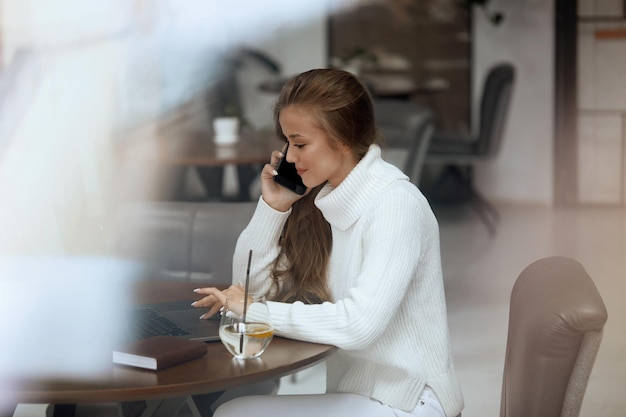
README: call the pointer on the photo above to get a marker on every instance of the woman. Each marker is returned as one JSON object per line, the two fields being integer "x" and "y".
{"x": 354, "y": 263}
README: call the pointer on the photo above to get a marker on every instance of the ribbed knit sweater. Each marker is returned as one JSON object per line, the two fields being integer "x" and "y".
{"x": 388, "y": 315}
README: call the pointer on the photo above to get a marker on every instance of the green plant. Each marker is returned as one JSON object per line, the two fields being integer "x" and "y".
{"x": 230, "y": 110}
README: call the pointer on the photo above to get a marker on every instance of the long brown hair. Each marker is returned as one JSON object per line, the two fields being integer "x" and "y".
{"x": 343, "y": 109}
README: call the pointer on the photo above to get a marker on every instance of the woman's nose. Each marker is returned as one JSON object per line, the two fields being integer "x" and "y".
{"x": 292, "y": 155}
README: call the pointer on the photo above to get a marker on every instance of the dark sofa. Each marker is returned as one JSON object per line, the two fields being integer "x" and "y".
{"x": 184, "y": 240}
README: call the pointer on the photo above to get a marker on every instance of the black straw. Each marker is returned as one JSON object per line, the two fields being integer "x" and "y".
{"x": 245, "y": 300}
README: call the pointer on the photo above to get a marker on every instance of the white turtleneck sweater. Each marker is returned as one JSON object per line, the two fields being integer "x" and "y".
{"x": 388, "y": 317}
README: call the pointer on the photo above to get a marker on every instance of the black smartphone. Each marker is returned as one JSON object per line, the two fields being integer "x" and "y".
{"x": 288, "y": 176}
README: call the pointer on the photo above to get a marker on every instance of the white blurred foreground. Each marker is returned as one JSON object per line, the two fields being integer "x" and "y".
{"x": 61, "y": 316}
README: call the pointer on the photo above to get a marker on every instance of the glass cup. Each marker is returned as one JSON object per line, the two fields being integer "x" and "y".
{"x": 247, "y": 338}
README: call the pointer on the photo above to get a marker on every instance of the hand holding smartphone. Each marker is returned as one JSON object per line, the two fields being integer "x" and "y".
{"x": 288, "y": 176}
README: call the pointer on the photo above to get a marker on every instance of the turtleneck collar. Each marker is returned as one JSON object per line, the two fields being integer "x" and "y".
{"x": 343, "y": 205}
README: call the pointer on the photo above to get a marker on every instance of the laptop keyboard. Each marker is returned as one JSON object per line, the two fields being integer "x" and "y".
{"x": 145, "y": 322}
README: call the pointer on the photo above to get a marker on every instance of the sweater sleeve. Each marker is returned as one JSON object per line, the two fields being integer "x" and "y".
{"x": 261, "y": 237}
{"x": 390, "y": 249}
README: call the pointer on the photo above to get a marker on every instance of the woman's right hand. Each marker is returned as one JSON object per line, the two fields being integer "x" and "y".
{"x": 276, "y": 196}
{"x": 214, "y": 299}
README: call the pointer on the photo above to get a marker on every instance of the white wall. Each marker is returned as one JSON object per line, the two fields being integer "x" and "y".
{"x": 299, "y": 43}
{"x": 524, "y": 170}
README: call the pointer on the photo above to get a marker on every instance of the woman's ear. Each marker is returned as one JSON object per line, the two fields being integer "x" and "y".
{"x": 345, "y": 149}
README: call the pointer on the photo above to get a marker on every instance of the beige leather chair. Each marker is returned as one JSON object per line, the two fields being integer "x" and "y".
{"x": 555, "y": 327}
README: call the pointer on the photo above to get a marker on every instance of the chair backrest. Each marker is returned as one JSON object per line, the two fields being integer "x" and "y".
{"x": 408, "y": 125}
{"x": 555, "y": 327}
{"x": 494, "y": 108}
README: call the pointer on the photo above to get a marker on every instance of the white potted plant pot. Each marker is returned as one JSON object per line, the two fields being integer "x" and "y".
{"x": 226, "y": 130}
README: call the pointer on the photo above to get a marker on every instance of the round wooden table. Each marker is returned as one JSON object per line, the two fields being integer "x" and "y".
{"x": 216, "y": 371}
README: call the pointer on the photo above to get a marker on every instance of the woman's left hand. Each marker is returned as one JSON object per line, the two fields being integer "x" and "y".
{"x": 216, "y": 299}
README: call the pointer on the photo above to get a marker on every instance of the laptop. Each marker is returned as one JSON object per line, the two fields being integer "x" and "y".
{"x": 175, "y": 318}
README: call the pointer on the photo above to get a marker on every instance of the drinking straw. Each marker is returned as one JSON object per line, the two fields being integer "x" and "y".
{"x": 245, "y": 300}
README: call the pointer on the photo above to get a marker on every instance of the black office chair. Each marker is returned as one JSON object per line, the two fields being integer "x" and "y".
{"x": 459, "y": 153}
{"x": 409, "y": 126}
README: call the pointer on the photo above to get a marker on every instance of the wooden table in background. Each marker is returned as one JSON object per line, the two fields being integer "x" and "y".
{"x": 176, "y": 152}
{"x": 198, "y": 149}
